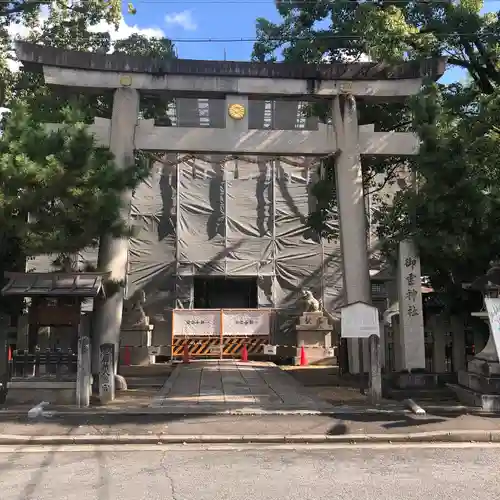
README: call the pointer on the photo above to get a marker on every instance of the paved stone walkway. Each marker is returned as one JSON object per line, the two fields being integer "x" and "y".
{"x": 219, "y": 386}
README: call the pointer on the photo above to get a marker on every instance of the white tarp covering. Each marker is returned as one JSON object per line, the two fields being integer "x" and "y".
{"x": 245, "y": 322}
{"x": 205, "y": 216}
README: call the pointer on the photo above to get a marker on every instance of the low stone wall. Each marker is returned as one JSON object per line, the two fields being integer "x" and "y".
{"x": 34, "y": 392}
{"x": 420, "y": 380}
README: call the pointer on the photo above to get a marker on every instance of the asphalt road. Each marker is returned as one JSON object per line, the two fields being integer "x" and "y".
{"x": 258, "y": 474}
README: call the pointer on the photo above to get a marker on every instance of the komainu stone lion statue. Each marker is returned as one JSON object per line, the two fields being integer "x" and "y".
{"x": 133, "y": 312}
{"x": 310, "y": 303}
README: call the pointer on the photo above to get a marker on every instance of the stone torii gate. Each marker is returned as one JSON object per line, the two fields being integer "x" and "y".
{"x": 237, "y": 82}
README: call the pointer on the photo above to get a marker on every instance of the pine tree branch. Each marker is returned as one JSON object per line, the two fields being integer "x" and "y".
{"x": 491, "y": 67}
{"x": 479, "y": 72}
{"x": 390, "y": 174}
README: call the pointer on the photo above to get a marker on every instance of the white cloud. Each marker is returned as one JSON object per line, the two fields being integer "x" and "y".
{"x": 20, "y": 30}
{"x": 183, "y": 19}
{"x": 348, "y": 59}
{"x": 124, "y": 30}
{"x": 13, "y": 65}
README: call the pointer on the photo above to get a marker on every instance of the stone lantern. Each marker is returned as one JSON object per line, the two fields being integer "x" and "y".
{"x": 479, "y": 385}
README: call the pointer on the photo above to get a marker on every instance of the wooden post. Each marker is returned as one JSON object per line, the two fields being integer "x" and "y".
{"x": 83, "y": 374}
{"x": 375, "y": 385}
{"x": 4, "y": 361}
{"x": 221, "y": 323}
{"x": 172, "y": 336}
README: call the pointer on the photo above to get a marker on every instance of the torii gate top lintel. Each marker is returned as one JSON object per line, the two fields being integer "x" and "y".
{"x": 249, "y": 78}
{"x": 50, "y": 56}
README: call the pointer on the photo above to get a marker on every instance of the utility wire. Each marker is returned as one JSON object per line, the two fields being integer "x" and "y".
{"x": 312, "y": 38}
{"x": 293, "y": 2}
{"x": 321, "y": 37}
{"x": 319, "y": 3}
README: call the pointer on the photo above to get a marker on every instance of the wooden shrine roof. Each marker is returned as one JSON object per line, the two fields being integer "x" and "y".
{"x": 54, "y": 284}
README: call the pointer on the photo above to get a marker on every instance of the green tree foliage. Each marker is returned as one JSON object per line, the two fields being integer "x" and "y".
{"x": 72, "y": 28}
{"x": 341, "y": 30}
{"x": 454, "y": 212}
{"x": 59, "y": 192}
{"x": 69, "y": 187}
{"x": 158, "y": 48}
{"x": 73, "y": 19}
{"x": 456, "y": 204}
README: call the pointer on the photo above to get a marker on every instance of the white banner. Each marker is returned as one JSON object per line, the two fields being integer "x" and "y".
{"x": 240, "y": 322}
{"x": 493, "y": 308}
{"x": 196, "y": 322}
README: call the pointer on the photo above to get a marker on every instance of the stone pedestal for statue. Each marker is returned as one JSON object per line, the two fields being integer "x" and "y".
{"x": 136, "y": 341}
{"x": 479, "y": 385}
{"x": 314, "y": 332}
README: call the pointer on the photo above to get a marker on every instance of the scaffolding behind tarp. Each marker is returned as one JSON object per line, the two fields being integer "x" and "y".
{"x": 241, "y": 217}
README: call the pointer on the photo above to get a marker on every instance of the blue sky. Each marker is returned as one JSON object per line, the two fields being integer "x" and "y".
{"x": 207, "y": 19}
{"x": 216, "y": 19}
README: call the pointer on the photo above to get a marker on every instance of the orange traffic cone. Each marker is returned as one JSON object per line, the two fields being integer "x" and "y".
{"x": 127, "y": 356}
{"x": 185, "y": 355}
{"x": 244, "y": 353}
{"x": 303, "y": 357}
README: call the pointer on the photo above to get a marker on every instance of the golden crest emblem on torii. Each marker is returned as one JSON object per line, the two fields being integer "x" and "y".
{"x": 236, "y": 111}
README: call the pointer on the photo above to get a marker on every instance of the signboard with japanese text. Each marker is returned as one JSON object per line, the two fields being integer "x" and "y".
{"x": 196, "y": 322}
{"x": 359, "y": 321}
{"x": 270, "y": 350}
{"x": 410, "y": 307}
{"x": 246, "y": 322}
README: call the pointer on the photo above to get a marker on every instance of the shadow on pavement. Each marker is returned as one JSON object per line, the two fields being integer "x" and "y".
{"x": 126, "y": 424}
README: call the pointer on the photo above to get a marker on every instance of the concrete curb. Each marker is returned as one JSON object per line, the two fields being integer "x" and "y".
{"x": 124, "y": 439}
{"x": 190, "y": 411}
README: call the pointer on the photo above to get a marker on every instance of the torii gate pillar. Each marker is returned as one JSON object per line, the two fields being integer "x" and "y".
{"x": 113, "y": 252}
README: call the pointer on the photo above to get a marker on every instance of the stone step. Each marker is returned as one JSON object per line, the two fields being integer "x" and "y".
{"x": 438, "y": 394}
{"x": 469, "y": 397}
{"x": 146, "y": 370}
{"x": 480, "y": 383}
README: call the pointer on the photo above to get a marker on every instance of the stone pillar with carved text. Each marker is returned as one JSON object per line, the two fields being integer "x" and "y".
{"x": 411, "y": 343}
{"x": 113, "y": 252}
